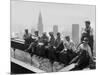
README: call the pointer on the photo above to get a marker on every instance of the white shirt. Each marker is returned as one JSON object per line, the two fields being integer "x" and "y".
{"x": 87, "y": 48}
{"x": 69, "y": 45}
{"x": 35, "y": 37}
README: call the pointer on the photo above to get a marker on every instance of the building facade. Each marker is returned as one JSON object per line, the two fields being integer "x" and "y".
{"x": 75, "y": 33}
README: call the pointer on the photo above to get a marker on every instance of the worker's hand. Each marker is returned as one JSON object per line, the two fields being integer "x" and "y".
{"x": 26, "y": 50}
{"x": 46, "y": 46}
{"x": 54, "y": 47}
{"x": 76, "y": 64}
{"x": 76, "y": 51}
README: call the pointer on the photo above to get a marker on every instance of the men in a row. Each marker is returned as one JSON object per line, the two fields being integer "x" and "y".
{"x": 43, "y": 46}
{"x": 51, "y": 42}
{"x": 45, "y": 40}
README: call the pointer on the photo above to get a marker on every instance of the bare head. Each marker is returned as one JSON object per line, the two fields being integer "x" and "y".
{"x": 51, "y": 33}
{"x": 36, "y": 33}
{"x": 67, "y": 38}
{"x": 44, "y": 33}
{"x": 85, "y": 41}
{"x": 58, "y": 34}
{"x": 87, "y": 24}
{"x": 26, "y": 31}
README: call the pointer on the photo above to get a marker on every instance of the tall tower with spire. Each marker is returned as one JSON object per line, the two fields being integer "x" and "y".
{"x": 40, "y": 24}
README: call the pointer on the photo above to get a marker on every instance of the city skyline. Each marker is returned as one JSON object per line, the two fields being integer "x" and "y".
{"x": 25, "y": 15}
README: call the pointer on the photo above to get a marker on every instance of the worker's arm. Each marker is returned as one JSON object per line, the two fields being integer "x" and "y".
{"x": 90, "y": 53}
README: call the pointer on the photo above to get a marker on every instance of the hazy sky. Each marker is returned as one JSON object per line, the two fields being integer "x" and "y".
{"x": 25, "y": 15}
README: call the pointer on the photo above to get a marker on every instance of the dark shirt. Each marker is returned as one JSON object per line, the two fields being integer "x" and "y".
{"x": 44, "y": 39}
{"x": 27, "y": 38}
{"x": 52, "y": 41}
{"x": 57, "y": 42}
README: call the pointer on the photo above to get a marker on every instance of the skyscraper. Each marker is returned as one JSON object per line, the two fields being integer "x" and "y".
{"x": 55, "y": 29}
{"x": 40, "y": 24}
{"x": 75, "y": 33}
